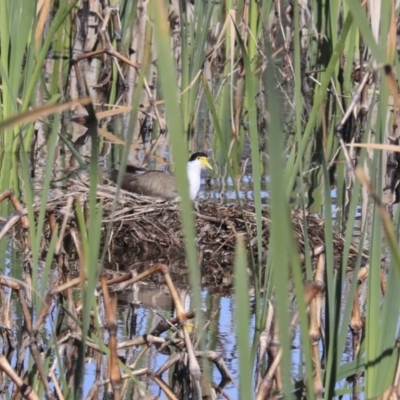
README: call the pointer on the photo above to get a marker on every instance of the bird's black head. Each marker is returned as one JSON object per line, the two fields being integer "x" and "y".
{"x": 198, "y": 154}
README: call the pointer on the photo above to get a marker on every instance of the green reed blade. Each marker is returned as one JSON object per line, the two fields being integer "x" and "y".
{"x": 279, "y": 249}
{"x": 62, "y": 13}
{"x": 243, "y": 320}
{"x": 179, "y": 151}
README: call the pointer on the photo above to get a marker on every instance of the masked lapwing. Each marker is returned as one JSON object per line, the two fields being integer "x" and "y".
{"x": 160, "y": 183}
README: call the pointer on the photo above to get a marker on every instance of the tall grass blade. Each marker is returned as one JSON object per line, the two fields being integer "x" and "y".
{"x": 178, "y": 140}
{"x": 243, "y": 319}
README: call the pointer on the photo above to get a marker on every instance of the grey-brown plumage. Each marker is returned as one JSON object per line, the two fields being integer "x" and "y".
{"x": 150, "y": 183}
{"x": 161, "y": 184}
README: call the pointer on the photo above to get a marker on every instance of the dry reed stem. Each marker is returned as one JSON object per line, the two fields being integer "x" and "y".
{"x": 312, "y": 289}
{"x": 67, "y": 294}
{"x": 6, "y": 314}
{"x": 17, "y": 206}
{"x": 142, "y": 352}
{"x": 52, "y": 221}
{"x": 67, "y": 285}
{"x": 389, "y": 395}
{"x": 67, "y": 214}
{"x": 221, "y": 392}
{"x": 264, "y": 342}
{"x": 219, "y": 362}
{"x": 356, "y": 99}
{"x": 39, "y": 365}
{"x": 138, "y": 341}
{"x": 23, "y": 345}
{"x": 363, "y": 273}
{"x": 314, "y": 252}
{"x": 10, "y": 283}
{"x": 165, "y": 325}
{"x": 171, "y": 360}
{"x": 123, "y": 285}
{"x": 11, "y": 221}
{"x": 125, "y": 377}
{"x": 194, "y": 367}
{"x": 273, "y": 352}
{"x": 320, "y": 271}
{"x": 122, "y": 278}
{"x": 392, "y": 84}
{"x": 315, "y": 328}
{"x": 164, "y": 387}
{"x": 56, "y": 385}
{"x": 44, "y": 311}
{"x": 78, "y": 246}
{"x": 112, "y": 327}
{"x": 25, "y": 311}
{"x": 61, "y": 351}
{"x": 356, "y": 341}
{"x": 266, "y": 384}
{"x": 15, "y": 217}
{"x": 356, "y": 324}
{"x": 93, "y": 392}
{"x": 53, "y": 230}
{"x": 24, "y": 389}
{"x": 7, "y": 195}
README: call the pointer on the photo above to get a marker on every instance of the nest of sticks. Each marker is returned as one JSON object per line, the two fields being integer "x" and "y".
{"x": 144, "y": 229}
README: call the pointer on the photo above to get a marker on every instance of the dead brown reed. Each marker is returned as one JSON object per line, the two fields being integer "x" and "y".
{"x": 271, "y": 380}
{"x": 23, "y": 389}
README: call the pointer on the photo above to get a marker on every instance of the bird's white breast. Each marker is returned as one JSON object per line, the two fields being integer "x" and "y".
{"x": 194, "y": 177}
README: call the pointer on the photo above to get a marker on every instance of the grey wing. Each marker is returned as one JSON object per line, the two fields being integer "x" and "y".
{"x": 152, "y": 183}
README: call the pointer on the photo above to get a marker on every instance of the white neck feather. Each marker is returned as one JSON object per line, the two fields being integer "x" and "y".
{"x": 193, "y": 170}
